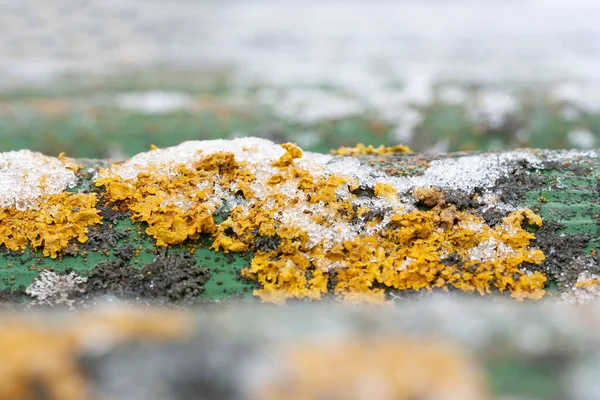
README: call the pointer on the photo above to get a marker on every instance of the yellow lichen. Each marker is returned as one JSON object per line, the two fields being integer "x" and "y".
{"x": 360, "y": 149}
{"x": 50, "y": 224}
{"x": 589, "y": 282}
{"x": 40, "y": 357}
{"x": 386, "y": 368}
{"x": 518, "y": 217}
{"x": 69, "y": 163}
{"x": 177, "y": 208}
{"x": 406, "y": 255}
{"x": 292, "y": 151}
{"x": 407, "y": 252}
{"x": 385, "y": 190}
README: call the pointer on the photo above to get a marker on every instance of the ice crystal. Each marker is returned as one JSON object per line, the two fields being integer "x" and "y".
{"x": 464, "y": 174}
{"x": 25, "y": 176}
{"x": 490, "y": 250}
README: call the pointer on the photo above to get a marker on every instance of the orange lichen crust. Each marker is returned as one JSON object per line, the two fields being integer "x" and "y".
{"x": 360, "y": 150}
{"x": 178, "y": 208}
{"x": 407, "y": 255}
{"x": 50, "y": 224}
{"x": 43, "y": 358}
{"x": 588, "y": 283}
{"x": 386, "y": 368}
{"x": 302, "y": 231}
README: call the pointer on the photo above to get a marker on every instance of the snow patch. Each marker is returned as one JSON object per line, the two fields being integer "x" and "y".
{"x": 154, "y": 102}
{"x": 463, "y": 174}
{"x": 582, "y": 139}
{"x": 493, "y": 108}
{"x": 25, "y": 176}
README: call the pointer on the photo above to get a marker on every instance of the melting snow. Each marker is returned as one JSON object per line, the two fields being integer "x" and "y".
{"x": 463, "y": 174}
{"x": 26, "y": 176}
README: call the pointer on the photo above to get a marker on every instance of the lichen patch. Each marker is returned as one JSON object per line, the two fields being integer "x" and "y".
{"x": 360, "y": 149}
{"x": 41, "y": 356}
{"x": 320, "y": 225}
{"x": 386, "y": 368}
{"x": 51, "y": 225}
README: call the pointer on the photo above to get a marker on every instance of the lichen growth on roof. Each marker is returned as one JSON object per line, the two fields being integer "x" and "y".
{"x": 360, "y": 149}
{"x": 335, "y": 226}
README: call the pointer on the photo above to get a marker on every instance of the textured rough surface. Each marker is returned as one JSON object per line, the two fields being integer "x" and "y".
{"x": 108, "y": 78}
{"x": 226, "y": 220}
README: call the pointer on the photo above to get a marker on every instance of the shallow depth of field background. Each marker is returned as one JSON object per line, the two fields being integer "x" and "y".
{"x": 107, "y": 78}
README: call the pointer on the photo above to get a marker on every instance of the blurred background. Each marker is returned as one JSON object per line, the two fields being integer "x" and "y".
{"x": 107, "y": 78}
